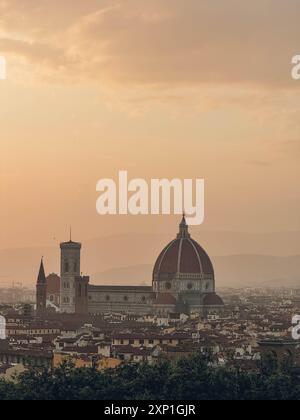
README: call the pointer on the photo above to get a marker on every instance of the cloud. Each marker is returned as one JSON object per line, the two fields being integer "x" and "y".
{"x": 34, "y": 51}
{"x": 169, "y": 43}
{"x": 290, "y": 148}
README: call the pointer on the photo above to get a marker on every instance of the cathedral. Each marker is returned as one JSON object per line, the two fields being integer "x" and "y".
{"x": 183, "y": 282}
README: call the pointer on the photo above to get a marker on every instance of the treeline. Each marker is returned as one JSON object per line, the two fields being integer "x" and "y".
{"x": 186, "y": 379}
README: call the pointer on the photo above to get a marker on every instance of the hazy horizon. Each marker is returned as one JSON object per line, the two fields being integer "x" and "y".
{"x": 239, "y": 259}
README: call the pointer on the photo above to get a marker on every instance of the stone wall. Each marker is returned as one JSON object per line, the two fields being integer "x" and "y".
{"x": 123, "y": 299}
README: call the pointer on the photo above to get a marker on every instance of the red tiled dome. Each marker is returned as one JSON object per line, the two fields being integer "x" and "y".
{"x": 212, "y": 299}
{"x": 53, "y": 284}
{"x": 183, "y": 255}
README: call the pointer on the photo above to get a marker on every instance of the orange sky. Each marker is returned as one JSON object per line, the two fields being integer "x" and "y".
{"x": 158, "y": 88}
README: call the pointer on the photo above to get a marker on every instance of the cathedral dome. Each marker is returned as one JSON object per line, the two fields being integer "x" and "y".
{"x": 183, "y": 256}
{"x": 165, "y": 299}
{"x": 212, "y": 299}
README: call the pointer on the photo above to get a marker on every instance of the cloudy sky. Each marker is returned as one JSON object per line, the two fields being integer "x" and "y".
{"x": 161, "y": 88}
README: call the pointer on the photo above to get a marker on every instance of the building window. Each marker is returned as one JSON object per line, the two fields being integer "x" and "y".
{"x": 75, "y": 267}
{"x": 126, "y": 298}
{"x": 67, "y": 267}
{"x": 107, "y": 298}
{"x": 190, "y": 286}
{"x": 168, "y": 286}
{"x": 143, "y": 299}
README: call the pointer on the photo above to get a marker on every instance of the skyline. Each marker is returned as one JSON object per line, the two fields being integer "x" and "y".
{"x": 149, "y": 202}
{"x": 105, "y": 86}
{"x": 129, "y": 258}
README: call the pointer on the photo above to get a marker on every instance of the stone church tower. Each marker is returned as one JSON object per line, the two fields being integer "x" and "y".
{"x": 70, "y": 270}
{"x": 81, "y": 295}
{"x": 41, "y": 292}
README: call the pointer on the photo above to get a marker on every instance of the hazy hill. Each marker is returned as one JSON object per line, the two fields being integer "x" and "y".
{"x": 247, "y": 258}
{"x": 231, "y": 271}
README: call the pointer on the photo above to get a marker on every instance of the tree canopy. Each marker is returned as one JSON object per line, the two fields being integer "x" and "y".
{"x": 190, "y": 378}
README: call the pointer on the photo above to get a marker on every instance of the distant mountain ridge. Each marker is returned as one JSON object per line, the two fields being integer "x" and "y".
{"x": 231, "y": 271}
{"x": 242, "y": 258}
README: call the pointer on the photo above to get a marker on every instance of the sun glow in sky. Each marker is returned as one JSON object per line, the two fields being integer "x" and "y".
{"x": 157, "y": 88}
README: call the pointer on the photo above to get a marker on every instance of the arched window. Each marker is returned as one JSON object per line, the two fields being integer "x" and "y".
{"x": 67, "y": 267}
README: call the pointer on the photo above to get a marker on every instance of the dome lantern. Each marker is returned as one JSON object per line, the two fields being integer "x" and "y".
{"x": 183, "y": 229}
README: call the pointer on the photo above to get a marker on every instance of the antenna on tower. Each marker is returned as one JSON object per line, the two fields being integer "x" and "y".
{"x": 70, "y": 233}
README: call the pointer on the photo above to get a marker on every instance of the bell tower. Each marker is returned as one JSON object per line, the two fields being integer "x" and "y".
{"x": 69, "y": 271}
